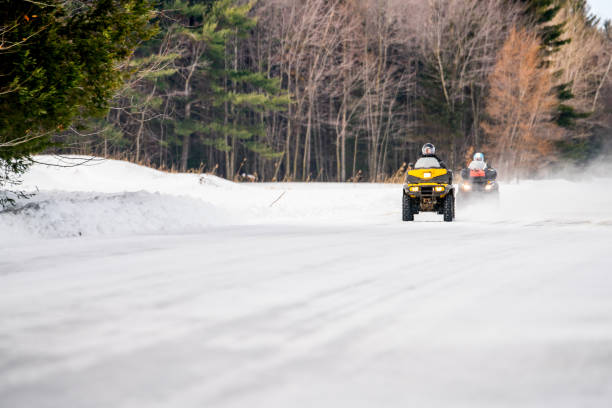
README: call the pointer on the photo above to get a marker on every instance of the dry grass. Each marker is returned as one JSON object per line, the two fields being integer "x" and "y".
{"x": 398, "y": 177}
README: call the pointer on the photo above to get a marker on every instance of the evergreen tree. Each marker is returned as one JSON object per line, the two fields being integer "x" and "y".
{"x": 220, "y": 104}
{"x": 211, "y": 104}
{"x": 58, "y": 62}
{"x": 543, "y": 13}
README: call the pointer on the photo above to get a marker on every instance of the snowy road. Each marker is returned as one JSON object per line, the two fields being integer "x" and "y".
{"x": 506, "y": 307}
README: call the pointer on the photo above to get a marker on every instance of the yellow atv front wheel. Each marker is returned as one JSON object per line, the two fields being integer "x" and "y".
{"x": 449, "y": 208}
{"x": 407, "y": 208}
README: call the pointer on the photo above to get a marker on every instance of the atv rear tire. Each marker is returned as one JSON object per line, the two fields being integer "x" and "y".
{"x": 407, "y": 212}
{"x": 449, "y": 208}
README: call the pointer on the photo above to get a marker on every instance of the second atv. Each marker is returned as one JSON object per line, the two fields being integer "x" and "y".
{"x": 478, "y": 183}
{"x": 428, "y": 187}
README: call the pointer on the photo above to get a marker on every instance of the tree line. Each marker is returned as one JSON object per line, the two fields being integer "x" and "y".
{"x": 328, "y": 90}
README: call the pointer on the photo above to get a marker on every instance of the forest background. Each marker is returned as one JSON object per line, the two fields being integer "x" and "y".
{"x": 302, "y": 90}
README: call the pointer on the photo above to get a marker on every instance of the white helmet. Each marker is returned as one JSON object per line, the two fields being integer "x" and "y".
{"x": 428, "y": 149}
{"x": 479, "y": 157}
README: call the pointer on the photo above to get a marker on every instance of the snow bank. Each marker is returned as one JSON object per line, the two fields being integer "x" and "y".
{"x": 87, "y": 196}
{"x": 242, "y": 203}
{"x": 114, "y": 176}
{"x": 61, "y": 214}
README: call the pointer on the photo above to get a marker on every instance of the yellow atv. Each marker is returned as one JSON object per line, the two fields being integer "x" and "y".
{"x": 428, "y": 187}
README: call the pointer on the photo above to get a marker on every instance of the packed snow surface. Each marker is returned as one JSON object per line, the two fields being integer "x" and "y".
{"x": 121, "y": 286}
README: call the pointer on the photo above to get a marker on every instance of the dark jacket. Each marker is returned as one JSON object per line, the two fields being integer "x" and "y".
{"x": 442, "y": 164}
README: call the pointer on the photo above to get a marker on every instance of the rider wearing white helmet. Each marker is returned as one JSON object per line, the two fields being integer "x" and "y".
{"x": 429, "y": 150}
{"x": 478, "y": 162}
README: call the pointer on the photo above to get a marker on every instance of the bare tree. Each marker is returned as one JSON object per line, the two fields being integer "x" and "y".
{"x": 459, "y": 45}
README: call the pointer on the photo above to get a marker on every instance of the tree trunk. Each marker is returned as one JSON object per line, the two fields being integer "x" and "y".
{"x": 139, "y": 134}
{"x": 306, "y": 158}
{"x": 186, "y": 140}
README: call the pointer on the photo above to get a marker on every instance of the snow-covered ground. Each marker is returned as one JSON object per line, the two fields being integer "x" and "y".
{"x": 121, "y": 286}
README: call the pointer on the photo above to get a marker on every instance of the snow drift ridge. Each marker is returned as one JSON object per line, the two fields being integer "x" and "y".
{"x": 56, "y": 215}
